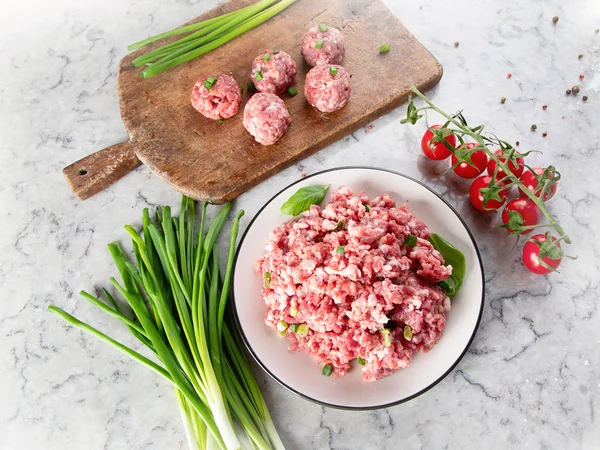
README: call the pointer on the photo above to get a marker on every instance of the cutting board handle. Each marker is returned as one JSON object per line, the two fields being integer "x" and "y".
{"x": 97, "y": 171}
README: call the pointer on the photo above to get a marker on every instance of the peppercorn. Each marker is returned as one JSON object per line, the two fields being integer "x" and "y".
{"x": 544, "y": 134}
{"x": 555, "y": 19}
{"x": 503, "y": 100}
{"x": 456, "y": 44}
{"x": 533, "y": 127}
{"x": 509, "y": 75}
{"x": 580, "y": 56}
{"x": 581, "y": 77}
{"x": 575, "y": 89}
{"x": 584, "y": 98}
{"x": 568, "y": 92}
{"x": 545, "y": 107}
{"x": 517, "y": 143}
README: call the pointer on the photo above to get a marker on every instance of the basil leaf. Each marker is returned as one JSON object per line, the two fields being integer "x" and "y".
{"x": 410, "y": 241}
{"x": 452, "y": 257}
{"x": 303, "y": 199}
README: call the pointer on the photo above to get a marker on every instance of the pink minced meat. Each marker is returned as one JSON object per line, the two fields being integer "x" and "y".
{"x": 326, "y": 91}
{"x": 276, "y": 73}
{"x": 346, "y": 299}
{"x": 266, "y": 118}
{"x": 331, "y": 52}
{"x": 221, "y": 101}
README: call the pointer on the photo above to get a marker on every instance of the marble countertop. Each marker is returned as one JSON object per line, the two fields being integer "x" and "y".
{"x": 531, "y": 379}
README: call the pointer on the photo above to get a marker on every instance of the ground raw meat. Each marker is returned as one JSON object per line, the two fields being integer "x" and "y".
{"x": 266, "y": 118}
{"x": 325, "y": 91}
{"x": 346, "y": 297}
{"x": 276, "y": 73}
{"x": 221, "y": 101}
{"x": 331, "y": 52}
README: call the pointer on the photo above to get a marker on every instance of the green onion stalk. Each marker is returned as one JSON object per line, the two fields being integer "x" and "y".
{"x": 177, "y": 307}
{"x": 204, "y": 36}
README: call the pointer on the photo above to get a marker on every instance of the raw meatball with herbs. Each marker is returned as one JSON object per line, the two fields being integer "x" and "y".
{"x": 327, "y": 88}
{"x": 323, "y": 45}
{"x": 266, "y": 118}
{"x": 216, "y": 97}
{"x": 273, "y": 71}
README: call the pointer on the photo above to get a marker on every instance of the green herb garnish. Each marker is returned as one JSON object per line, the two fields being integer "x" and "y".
{"x": 361, "y": 361}
{"x": 341, "y": 225}
{"x": 303, "y": 199}
{"x": 385, "y": 48}
{"x": 302, "y": 329}
{"x": 268, "y": 279}
{"x": 251, "y": 86}
{"x": 323, "y": 27}
{"x": 327, "y": 370}
{"x": 292, "y": 91}
{"x": 410, "y": 241}
{"x": 319, "y": 43}
{"x": 275, "y": 52}
{"x": 367, "y": 207}
{"x": 340, "y": 250}
{"x": 266, "y": 57}
{"x": 407, "y": 333}
{"x": 208, "y": 83}
{"x": 333, "y": 70}
{"x": 294, "y": 327}
{"x": 452, "y": 257}
{"x": 258, "y": 74}
{"x": 387, "y": 340}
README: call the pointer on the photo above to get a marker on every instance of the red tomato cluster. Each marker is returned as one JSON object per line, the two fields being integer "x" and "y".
{"x": 520, "y": 212}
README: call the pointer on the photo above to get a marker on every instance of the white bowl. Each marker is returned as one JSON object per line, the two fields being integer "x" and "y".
{"x": 298, "y": 371}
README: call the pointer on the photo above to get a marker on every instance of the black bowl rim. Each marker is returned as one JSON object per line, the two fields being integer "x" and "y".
{"x": 359, "y": 408}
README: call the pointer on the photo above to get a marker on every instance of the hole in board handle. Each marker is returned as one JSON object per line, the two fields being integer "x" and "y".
{"x": 82, "y": 172}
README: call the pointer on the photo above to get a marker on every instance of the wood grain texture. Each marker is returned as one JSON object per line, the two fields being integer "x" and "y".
{"x": 97, "y": 171}
{"x": 207, "y": 160}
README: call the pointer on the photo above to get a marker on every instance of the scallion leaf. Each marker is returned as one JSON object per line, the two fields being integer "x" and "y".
{"x": 327, "y": 370}
{"x": 302, "y": 329}
{"x": 361, "y": 361}
{"x": 294, "y": 327}
{"x": 292, "y": 91}
{"x": 410, "y": 241}
{"x": 323, "y": 27}
{"x": 367, "y": 207}
{"x": 340, "y": 250}
{"x": 275, "y": 52}
{"x": 282, "y": 325}
{"x": 251, "y": 86}
{"x": 385, "y": 48}
{"x": 407, "y": 333}
{"x": 266, "y": 57}
{"x": 293, "y": 312}
{"x": 341, "y": 225}
{"x": 387, "y": 340}
{"x": 208, "y": 83}
{"x": 333, "y": 70}
{"x": 258, "y": 75}
{"x": 267, "y": 279}
{"x": 319, "y": 43}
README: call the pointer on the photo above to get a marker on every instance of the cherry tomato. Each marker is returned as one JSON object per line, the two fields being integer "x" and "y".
{"x": 436, "y": 151}
{"x": 531, "y": 251}
{"x": 516, "y": 169}
{"x": 530, "y": 213}
{"x": 479, "y": 160}
{"x": 531, "y": 183}
{"x": 477, "y": 197}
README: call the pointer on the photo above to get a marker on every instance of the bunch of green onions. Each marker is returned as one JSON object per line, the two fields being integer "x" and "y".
{"x": 178, "y": 299}
{"x": 204, "y": 36}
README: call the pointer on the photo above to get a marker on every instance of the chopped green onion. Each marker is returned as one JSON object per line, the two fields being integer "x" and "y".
{"x": 282, "y": 333}
{"x": 294, "y": 327}
{"x": 410, "y": 241}
{"x": 319, "y": 43}
{"x": 208, "y": 83}
{"x": 282, "y": 325}
{"x": 258, "y": 75}
{"x": 275, "y": 52}
{"x": 267, "y": 279}
{"x": 361, "y": 361}
{"x": 327, "y": 370}
{"x": 219, "y": 120}
{"x": 323, "y": 27}
{"x": 293, "y": 312}
{"x": 303, "y": 329}
{"x": 407, "y": 333}
{"x": 340, "y": 250}
{"x": 251, "y": 86}
{"x": 333, "y": 70}
{"x": 385, "y": 48}
{"x": 341, "y": 225}
{"x": 367, "y": 207}
{"x": 292, "y": 91}
{"x": 387, "y": 340}
{"x": 266, "y": 57}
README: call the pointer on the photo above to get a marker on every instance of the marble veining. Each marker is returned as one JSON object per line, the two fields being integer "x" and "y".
{"x": 531, "y": 379}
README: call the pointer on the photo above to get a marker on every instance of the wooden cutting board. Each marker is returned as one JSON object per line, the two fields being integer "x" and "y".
{"x": 208, "y": 160}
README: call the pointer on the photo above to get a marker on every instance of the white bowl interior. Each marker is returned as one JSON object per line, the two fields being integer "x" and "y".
{"x": 298, "y": 371}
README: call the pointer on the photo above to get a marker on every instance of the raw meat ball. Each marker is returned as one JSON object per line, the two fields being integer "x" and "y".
{"x": 323, "y": 47}
{"x": 273, "y": 71}
{"x": 216, "y": 96}
{"x": 266, "y": 118}
{"x": 327, "y": 88}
